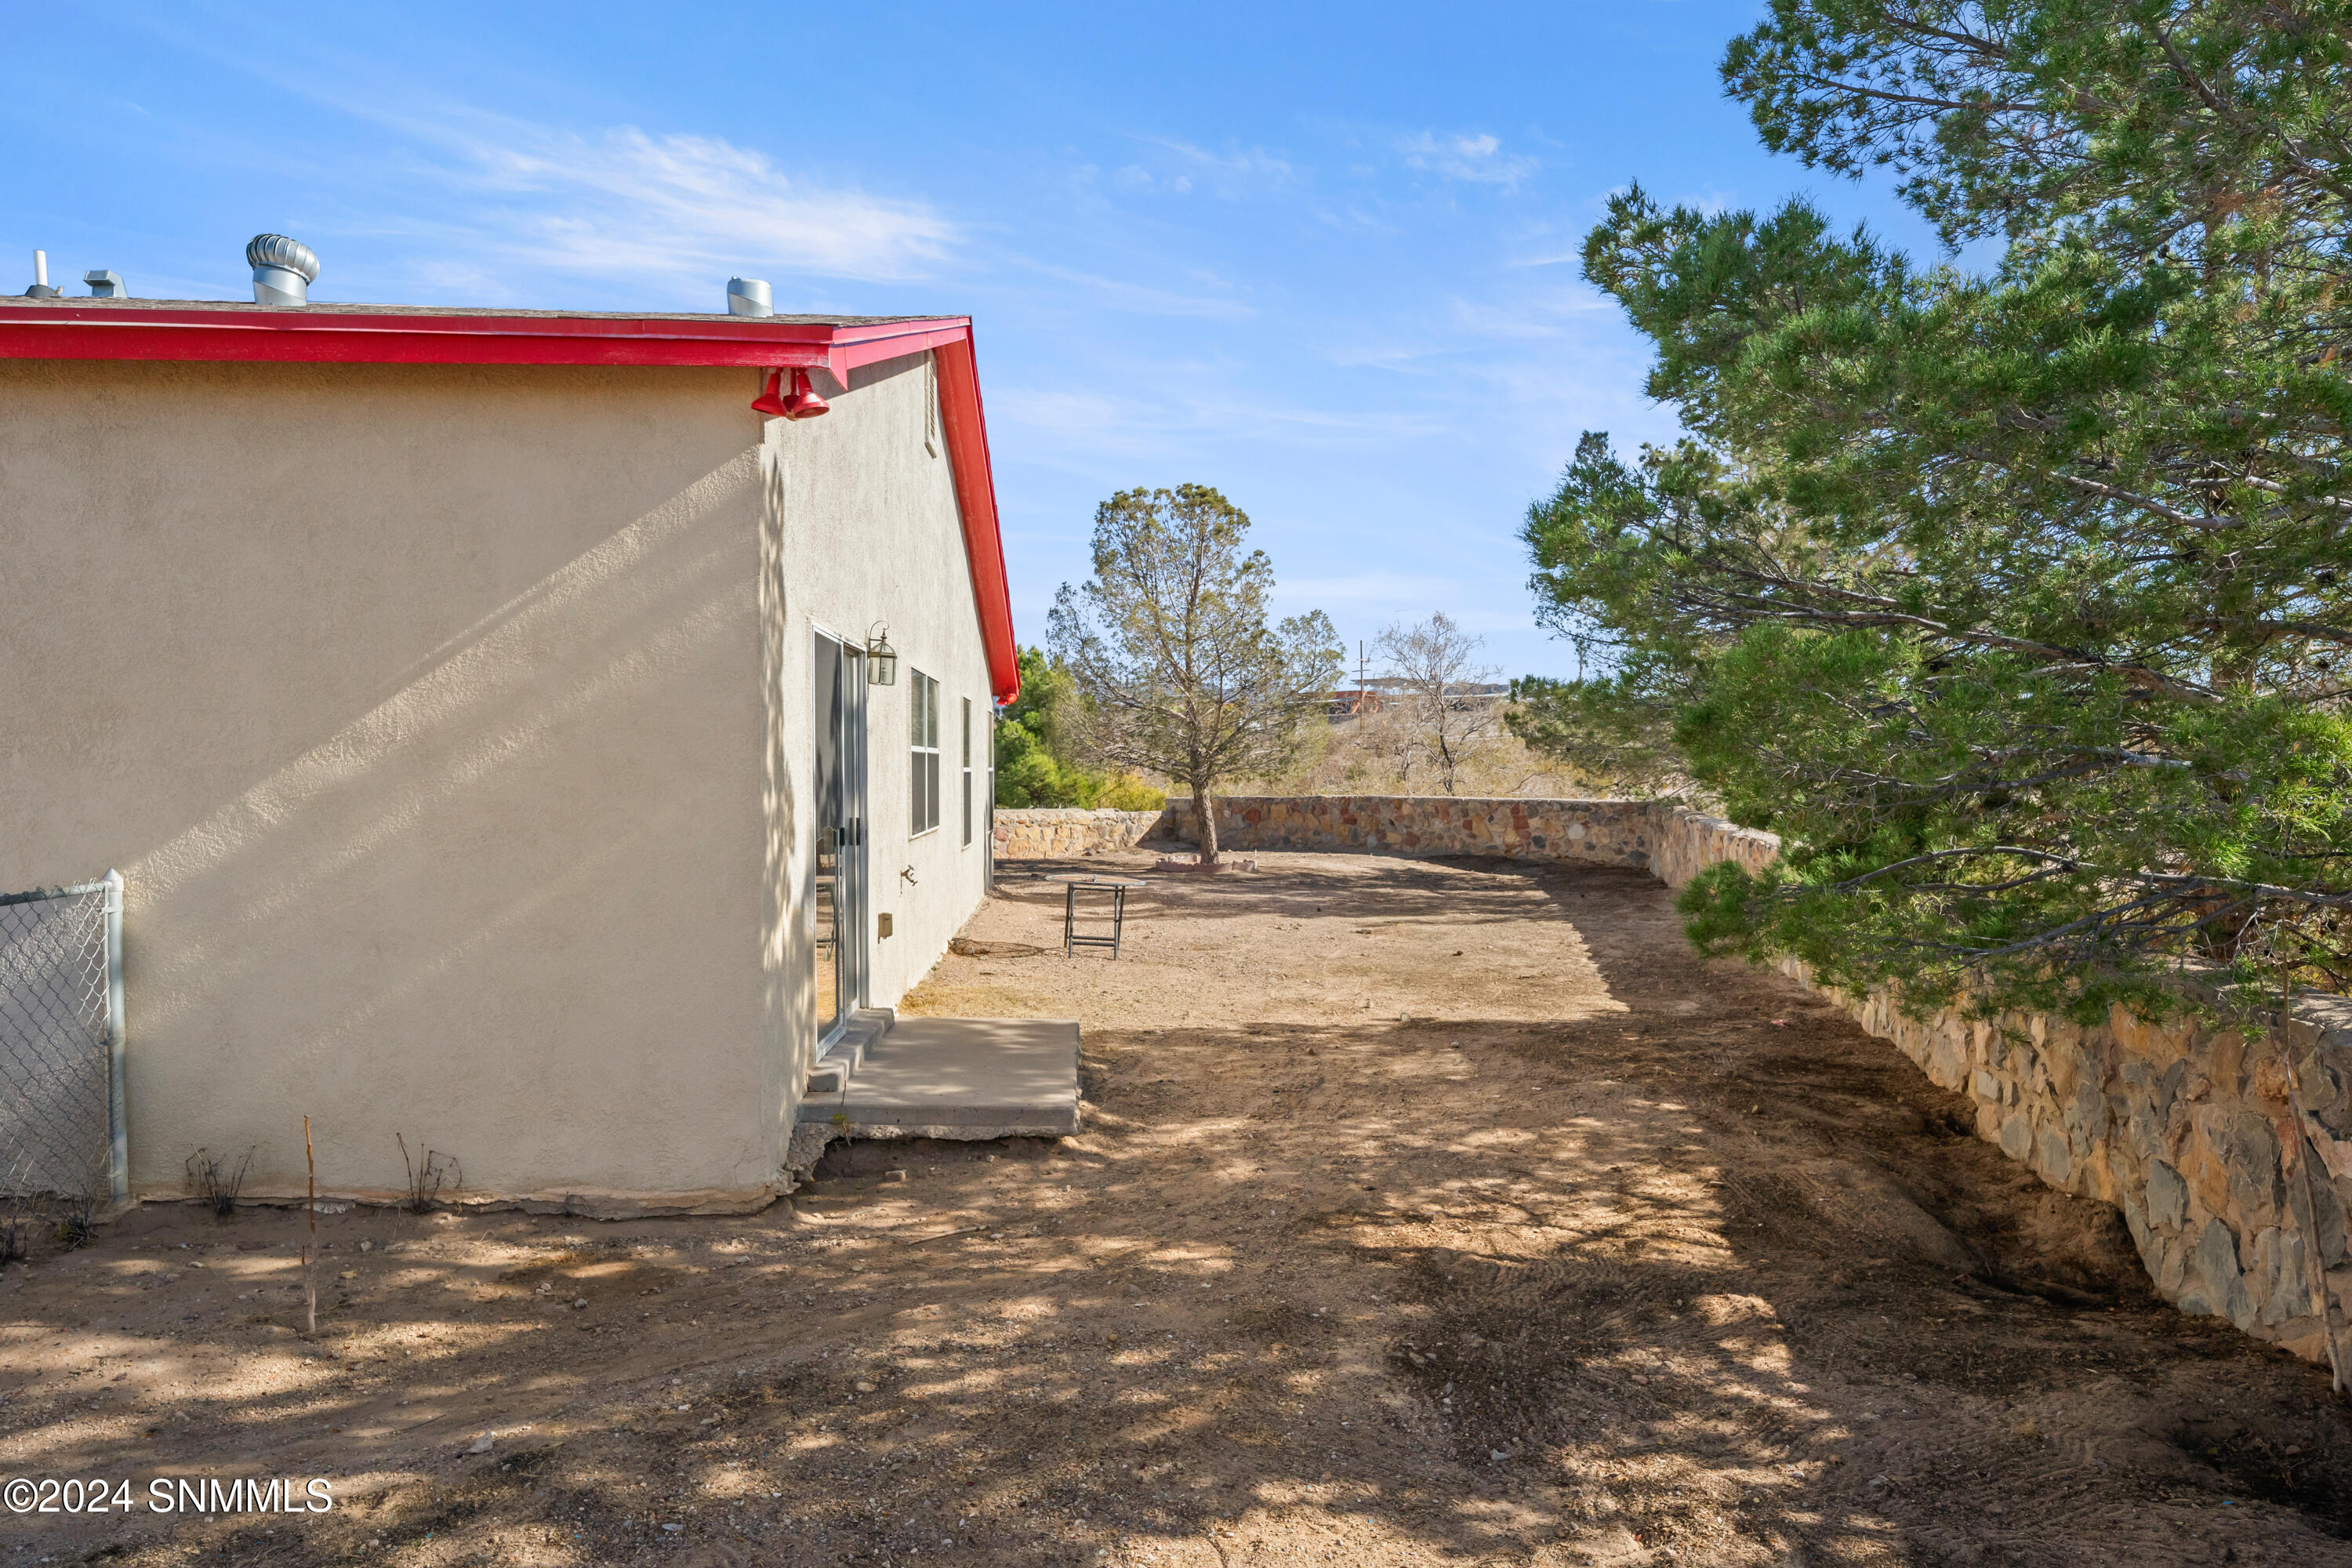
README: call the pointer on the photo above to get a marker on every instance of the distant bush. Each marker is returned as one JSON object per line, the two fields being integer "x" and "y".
{"x": 1125, "y": 792}
{"x": 1033, "y": 766}
{"x": 1028, "y": 776}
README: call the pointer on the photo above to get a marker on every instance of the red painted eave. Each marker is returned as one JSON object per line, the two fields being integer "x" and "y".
{"x": 364, "y": 335}
{"x": 964, "y": 421}
{"x": 374, "y": 335}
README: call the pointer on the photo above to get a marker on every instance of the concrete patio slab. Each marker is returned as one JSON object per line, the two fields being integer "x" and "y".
{"x": 961, "y": 1078}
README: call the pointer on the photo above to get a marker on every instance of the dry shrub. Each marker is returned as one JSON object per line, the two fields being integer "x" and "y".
{"x": 1385, "y": 751}
{"x": 16, "y": 1217}
{"x": 428, "y": 1175}
{"x": 215, "y": 1182}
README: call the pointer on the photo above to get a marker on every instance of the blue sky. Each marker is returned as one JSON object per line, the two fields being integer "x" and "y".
{"x": 1321, "y": 258}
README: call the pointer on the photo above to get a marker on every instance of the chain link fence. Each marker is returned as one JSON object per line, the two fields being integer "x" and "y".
{"x": 61, "y": 1110}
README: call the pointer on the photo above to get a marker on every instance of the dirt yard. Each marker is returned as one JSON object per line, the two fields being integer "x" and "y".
{"x": 1426, "y": 1213}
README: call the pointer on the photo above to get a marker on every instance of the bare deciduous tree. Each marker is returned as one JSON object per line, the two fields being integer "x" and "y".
{"x": 1447, "y": 719}
{"x": 1179, "y": 670}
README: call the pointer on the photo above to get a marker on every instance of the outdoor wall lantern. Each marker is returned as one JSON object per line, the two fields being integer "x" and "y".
{"x": 881, "y": 658}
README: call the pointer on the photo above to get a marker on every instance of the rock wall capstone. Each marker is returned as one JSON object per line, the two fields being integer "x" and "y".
{"x": 2229, "y": 1151}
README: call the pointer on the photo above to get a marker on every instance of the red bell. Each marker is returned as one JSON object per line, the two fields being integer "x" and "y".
{"x": 801, "y": 403}
{"x": 804, "y": 403}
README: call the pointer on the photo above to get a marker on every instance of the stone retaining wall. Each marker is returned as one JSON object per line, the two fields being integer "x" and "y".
{"x": 1047, "y": 834}
{"x": 2188, "y": 1129}
{"x": 1665, "y": 841}
{"x": 2191, "y": 1130}
{"x": 1607, "y": 832}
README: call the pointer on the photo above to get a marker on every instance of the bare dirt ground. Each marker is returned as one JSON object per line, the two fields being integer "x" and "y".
{"x": 1427, "y": 1213}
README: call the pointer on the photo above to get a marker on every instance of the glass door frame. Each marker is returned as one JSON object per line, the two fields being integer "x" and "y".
{"x": 851, "y": 887}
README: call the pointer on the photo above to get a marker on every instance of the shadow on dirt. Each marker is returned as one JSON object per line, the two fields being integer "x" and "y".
{"x": 1717, "y": 1275}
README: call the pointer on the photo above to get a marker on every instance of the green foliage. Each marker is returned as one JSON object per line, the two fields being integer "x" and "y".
{"x": 1125, "y": 792}
{"x": 1179, "y": 670}
{"x": 1617, "y": 737}
{"x": 1048, "y": 698}
{"x": 1034, "y": 765}
{"x": 2013, "y": 602}
{"x": 1027, "y": 774}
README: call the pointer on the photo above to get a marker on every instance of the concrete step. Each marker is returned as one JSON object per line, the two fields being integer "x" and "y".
{"x": 962, "y": 1078}
{"x": 842, "y": 1059}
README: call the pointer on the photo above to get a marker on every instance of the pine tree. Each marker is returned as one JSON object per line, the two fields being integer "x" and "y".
{"x": 2015, "y": 602}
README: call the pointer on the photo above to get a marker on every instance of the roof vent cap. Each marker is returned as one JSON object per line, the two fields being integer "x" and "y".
{"x": 283, "y": 269}
{"x": 106, "y": 284}
{"x": 40, "y": 288}
{"x": 750, "y": 297}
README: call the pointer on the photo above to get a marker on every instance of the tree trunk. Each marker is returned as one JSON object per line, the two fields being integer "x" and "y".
{"x": 1206, "y": 809}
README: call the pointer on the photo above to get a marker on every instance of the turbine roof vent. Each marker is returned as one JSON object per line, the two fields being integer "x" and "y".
{"x": 283, "y": 269}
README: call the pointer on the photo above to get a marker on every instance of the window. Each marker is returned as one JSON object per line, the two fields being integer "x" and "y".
{"x": 925, "y": 711}
{"x": 967, "y": 770}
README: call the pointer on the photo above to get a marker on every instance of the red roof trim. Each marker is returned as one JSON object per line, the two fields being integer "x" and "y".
{"x": 965, "y": 422}
{"x": 356, "y": 337}
{"x": 349, "y": 337}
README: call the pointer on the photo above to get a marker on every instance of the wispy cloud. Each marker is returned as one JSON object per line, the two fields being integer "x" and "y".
{"x": 1174, "y": 410}
{"x": 1477, "y": 159}
{"x": 1545, "y": 314}
{"x": 1136, "y": 177}
{"x": 1143, "y": 298}
{"x": 1234, "y": 172}
{"x": 503, "y": 195}
{"x": 627, "y": 204}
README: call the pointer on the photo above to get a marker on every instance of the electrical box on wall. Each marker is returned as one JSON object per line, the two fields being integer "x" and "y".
{"x": 881, "y": 925}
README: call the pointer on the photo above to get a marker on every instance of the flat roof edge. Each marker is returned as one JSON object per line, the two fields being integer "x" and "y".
{"x": 408, "y": 336}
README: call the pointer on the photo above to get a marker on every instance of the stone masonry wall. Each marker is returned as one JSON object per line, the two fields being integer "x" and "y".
{"x": 1047, "y": 834}
{"x": 1609, "y": 832}
{"x": 2190, "y": 1129}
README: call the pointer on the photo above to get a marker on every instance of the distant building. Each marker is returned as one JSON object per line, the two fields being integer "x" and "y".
{"x": 1371, "y": 695}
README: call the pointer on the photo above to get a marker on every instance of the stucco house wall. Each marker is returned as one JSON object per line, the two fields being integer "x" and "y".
{"x": 870, "y": 534}
{"x": 449, "y": 724}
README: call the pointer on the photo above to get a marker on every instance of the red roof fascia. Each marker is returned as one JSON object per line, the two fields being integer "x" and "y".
{"x": 965, "y": 424}
{"x": 55, "y": 332}
{"x": 63, "y": 331}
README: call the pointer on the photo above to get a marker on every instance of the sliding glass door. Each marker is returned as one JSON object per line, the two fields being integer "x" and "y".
{"x": 837, "y": 892}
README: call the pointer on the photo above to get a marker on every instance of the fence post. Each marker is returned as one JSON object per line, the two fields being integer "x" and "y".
{"x": 117, "y": 1104}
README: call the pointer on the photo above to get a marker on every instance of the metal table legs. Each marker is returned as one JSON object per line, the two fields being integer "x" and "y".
{"x": 1072, "y": 941}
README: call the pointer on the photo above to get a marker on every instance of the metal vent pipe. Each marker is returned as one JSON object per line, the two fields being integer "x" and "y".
{"x": 750, "y": 297}
{"x": 283, "y": 269}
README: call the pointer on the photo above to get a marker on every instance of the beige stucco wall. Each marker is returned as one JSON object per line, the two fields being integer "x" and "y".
{"x": 869, "y": 532}
{"x": 448, "y": 725}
